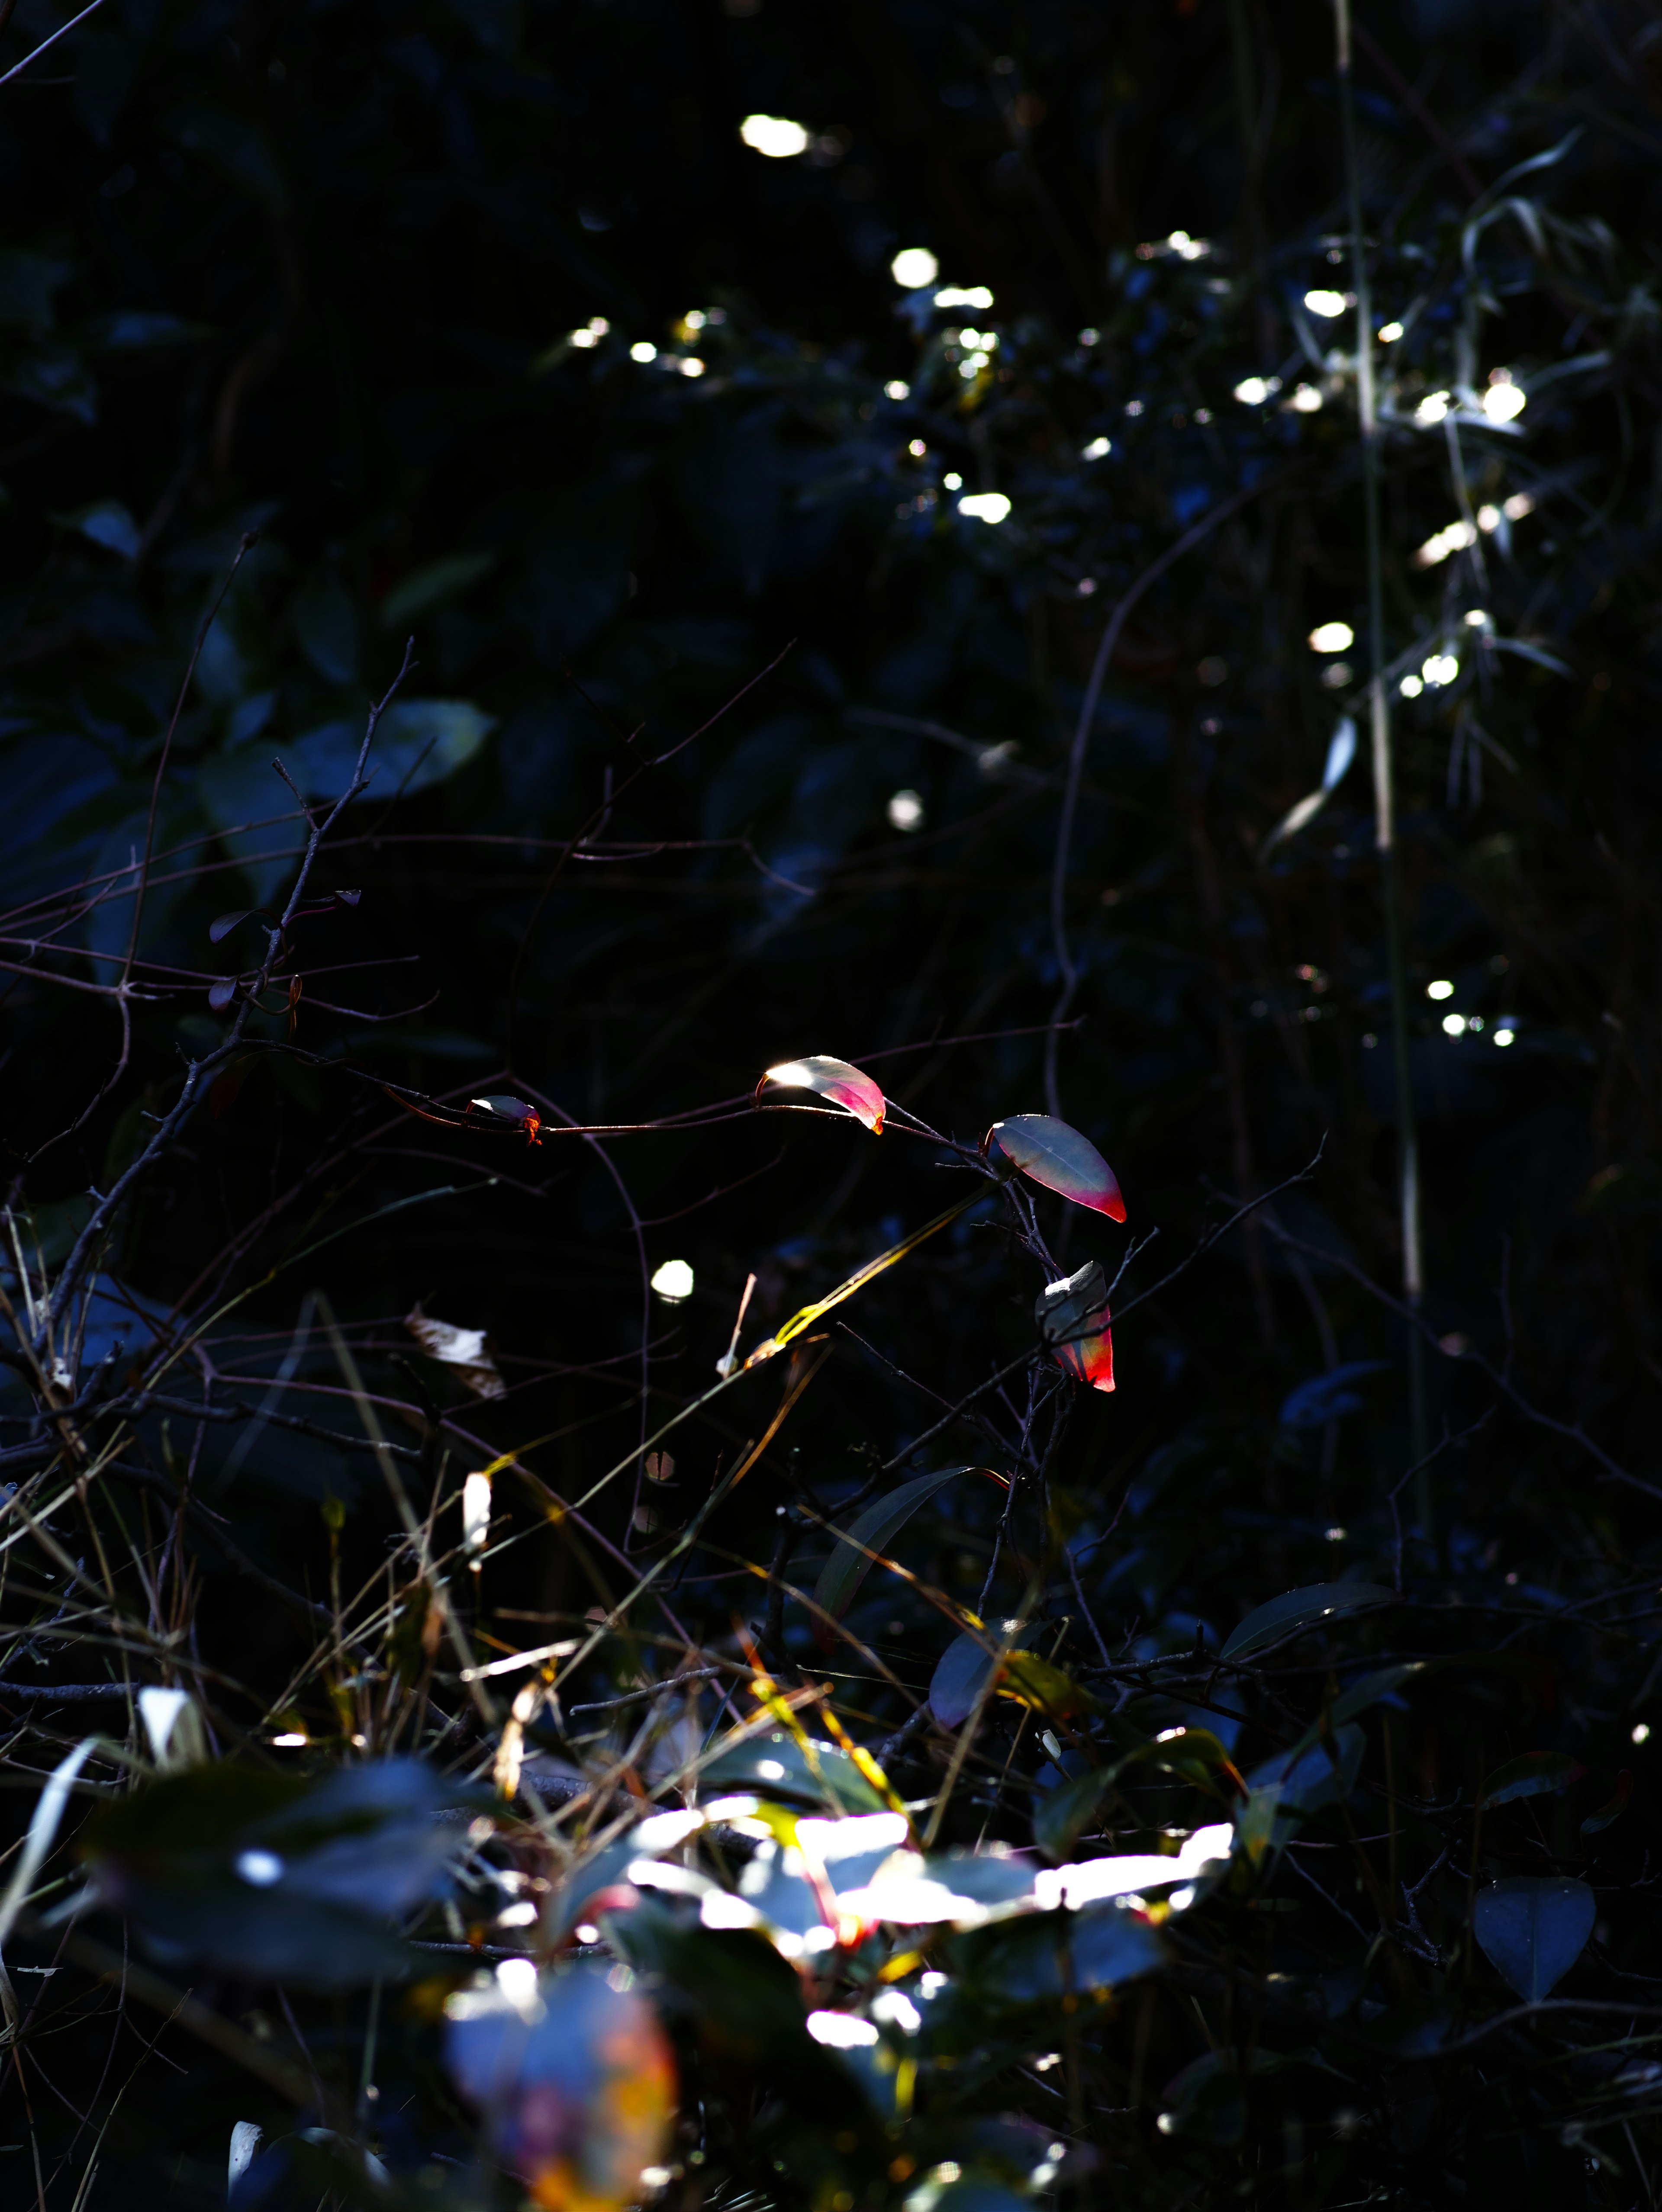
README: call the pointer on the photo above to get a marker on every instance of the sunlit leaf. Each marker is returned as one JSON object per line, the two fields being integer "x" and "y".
{"x": 1300, "y": 1608}
{"x": 847, "y": 1566}
{"x": 779, "y": 1766}
{"x": 1537, "y": 1774}
{"x": 1052, "y": 1153}
{"x": 836, "y": 1079}
{"x": 574, "y": 2076}
{"x": 1533, "y": 1928}
{"x": 1599, "y": 1821}
{"x": 515, "y": 1113}
{"x": 467, "y": 1349}
{"x": 1073, "y": 1318}
{"x": 1034, "y": 1681}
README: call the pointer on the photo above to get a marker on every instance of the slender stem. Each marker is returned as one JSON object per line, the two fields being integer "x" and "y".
{"x": 1384, "y": 831}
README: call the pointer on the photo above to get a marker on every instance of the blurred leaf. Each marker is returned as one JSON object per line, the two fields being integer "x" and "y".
{"x": 1613, "y": 1808}
{"x": 1034, "y": 1681}
{"x": 1328, "y": 1397}
{"x": 1046, "y": 1955}
{"x": 1300, "y": 1608}
{"x": 1533, "y": 1928}
{"x": 1537, "y": 1774}
{"x": 1052, "y": 1153}
{"x": 836, "y": 1080}
{"x": 575, "y": 2077}
{"x": 432, "y": 586}
{"x": 107, "y": 523}
{"x": 847, "y": 1566}
{"x": 419, "y": 742}
{"x": 327, "y": 626}
{"x": 259, "y": 1873}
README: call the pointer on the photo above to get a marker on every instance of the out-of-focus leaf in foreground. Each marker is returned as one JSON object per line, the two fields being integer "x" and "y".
{"x": 574, "y": 2078}
{"x": 261, "y": 1873}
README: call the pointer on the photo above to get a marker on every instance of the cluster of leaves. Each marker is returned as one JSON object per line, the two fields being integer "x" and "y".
{"x": 492, "y": 1463}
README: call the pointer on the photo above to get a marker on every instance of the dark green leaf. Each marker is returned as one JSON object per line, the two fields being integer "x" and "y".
{"x": 1537, "y": 1774}
{"x": 1533, "y": 1928}
{"x": 847, "y": 1566}
{"x": 1300, "y": 1608}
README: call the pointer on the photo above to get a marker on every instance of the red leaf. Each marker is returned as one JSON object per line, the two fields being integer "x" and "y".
{"x": 1056, "y": 1156}
{"x": 1073, "y": 1319}
{"x": 836, "y": 1079}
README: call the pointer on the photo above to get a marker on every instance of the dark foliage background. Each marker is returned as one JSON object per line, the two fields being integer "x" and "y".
{"x": 483, "y": 321}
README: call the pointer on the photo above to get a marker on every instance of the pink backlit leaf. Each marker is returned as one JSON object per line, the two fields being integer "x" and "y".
{"x": 1073, "y": 1319}
{"x": 1056, "y": 1156}
{"x": 836, "y": 1079}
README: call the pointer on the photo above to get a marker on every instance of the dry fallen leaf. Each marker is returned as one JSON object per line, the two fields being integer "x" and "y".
{"x": 467, "y": 1349}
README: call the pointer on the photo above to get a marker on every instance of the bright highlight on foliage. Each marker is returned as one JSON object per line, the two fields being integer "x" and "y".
{"x": 1504, "y": 1036}
{"x": 1306, "y": 400}
{"x": 776, "y": 136}
{"x": 1432, "y": 409}
{"x": 896, "y": 389}
{"x": 914, "y": 267}
{"x": 644, "y": 351}
{"x": 841, "y": 2031}
{"x": 1441, "y": 668}
{"x": 839, "y": 1081}
{"x": 905, "y": 811}
{"x": 985, "y": 505}
{"x": 1389, "y": 333}
{"x": 1253, "y": 390}
{"x": 1325, "y": 303}
{"x": 1454, "y": 1025}
{"x": 1442, "y": 989}
{"x": 954, "y": 295}
{"x": 1333, "y": 637}
{"x": 672, "y": 1282}
{"x": 476, "y": 1513}
{"x": 1098, "y": 449}
{"x": 1503, "y": 401}
{"x": 591, "y": 334}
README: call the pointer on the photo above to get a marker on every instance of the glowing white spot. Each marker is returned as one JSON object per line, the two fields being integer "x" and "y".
{"x": 476, "y": 1511}
{"x": 1477, "y": 619}
{"x": 292, "y": 1740}
{"x": 1333, "y": 1535}
{"x": 1253, "y": 390}
{"x": 582, "y": 340}
{"x": 840, "y": 2031}
{"x": 1328, "y": 304}
{"x": 776, "y": 136}
{"x": 260, "y": 1869}
{"x": 644, "y": 351}
{"x": 914, "y": 267}
{"x": 1389, "y": 333}
{"x": 953, "y": 483}
{"x": 978, "y": 295}
{"x": 1171, "y": 1734}
{"x": 1642, "y": 1731}
{"x": 985, "y": 505}
{"x": 769, "y": 1770}
{"x": 1432, "y": 409}
{"x": 905, "y": 811}
{"x": 690, "y": 366}
{"x": 894, "y": 2008}
{"x": 948, "y": 2170}
{"x": 1520, "y": 504}
{"x": 587, "y": 1932}
{"x": 695, "y": 318}
{"x": 895, "y": 389}
{"x": 517, "y": 1980}
{"x": 1488, "y": 518}
{"x": 1442, "y": 989}
{"x": 1454, "y": 1025}
{"x": 1503, "y": 401}
{"x": 1453, "y": 539}
{"x": 1333, "y": 637}
{"x": 1441, "y": 668}
{"x": 1504, "y": 1036}
{"x": 522, "y": 1915}
{"x": 1097, "y": 450}
{"x": 1306, "y": 400}
{"x": 673, "y": 1281}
